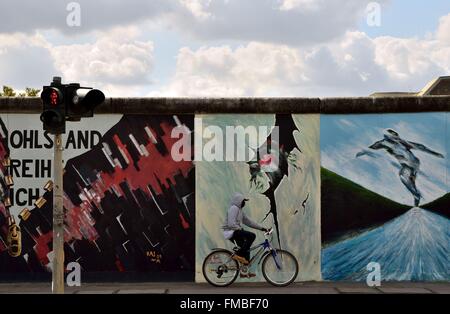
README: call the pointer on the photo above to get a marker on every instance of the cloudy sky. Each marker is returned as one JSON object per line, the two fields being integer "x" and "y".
{"x": 226, "y": 47}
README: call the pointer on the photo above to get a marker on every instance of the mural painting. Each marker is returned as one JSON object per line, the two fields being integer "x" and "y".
{"x": 279, "y": 176}
{"x": 129, "y": 207}
{"x": 340, "y": 191}
{"x": 385, "y": 196}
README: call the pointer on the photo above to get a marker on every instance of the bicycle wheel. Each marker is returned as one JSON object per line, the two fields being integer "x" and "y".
{"x": 219, "y": 269}
{"x": 280, "y": 268}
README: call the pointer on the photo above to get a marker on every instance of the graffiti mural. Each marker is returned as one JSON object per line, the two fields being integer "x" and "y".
{"x": 129, "y": 207}
{"x": 385, "y": 201}
{"x": 340, "y": 191}
{"x": 279, "y": 176}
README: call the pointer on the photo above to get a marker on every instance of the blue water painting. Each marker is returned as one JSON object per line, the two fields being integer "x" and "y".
{"x": 412, "y": 247}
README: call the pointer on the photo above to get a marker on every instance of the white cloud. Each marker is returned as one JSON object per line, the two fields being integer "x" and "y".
{"x": 25, "y": 61}
{"x": 406, "y": 59}
{"x": 116, "y": 62}
{"x": 443, "y": 33}
{"x": 259, "y": 69}
{"x": 354, "y": 65}
{"x": 300, "y": 4}
{"x": 290, "y": 48}
{"x": 297, "y": 22}
{"x": 197, "y": 7}
{"x": 115, "y": 58}
{"x": 293, "y": 22}
{"x": 29, "y": 15}
{"x": 221, "y": 71}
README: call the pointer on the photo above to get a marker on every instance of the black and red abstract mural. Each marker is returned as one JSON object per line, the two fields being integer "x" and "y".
{"x": 129, "y": 207}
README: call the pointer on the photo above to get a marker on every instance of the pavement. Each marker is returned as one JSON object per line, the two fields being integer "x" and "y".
{"x": 236, "y": 288}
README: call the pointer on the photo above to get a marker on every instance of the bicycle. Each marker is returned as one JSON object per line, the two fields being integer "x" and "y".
{"x": 221, "y": 270}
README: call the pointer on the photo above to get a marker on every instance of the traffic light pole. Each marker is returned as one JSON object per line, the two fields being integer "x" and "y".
{"x": 61, "y": 103}
{"x": 58, "y": 219}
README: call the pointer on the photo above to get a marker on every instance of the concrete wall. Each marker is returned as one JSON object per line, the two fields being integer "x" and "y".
{"x": 136, "y": 212}
{"x": 248, "y": 105}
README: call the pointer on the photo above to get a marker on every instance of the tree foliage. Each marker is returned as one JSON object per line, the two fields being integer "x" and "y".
{"x": 8, "y": 91}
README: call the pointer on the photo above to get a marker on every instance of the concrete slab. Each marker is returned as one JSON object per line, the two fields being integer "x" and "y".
{"x": 27, "y": 292}
{"x": 95, "y": 291}
{"x": 405, "y": 290}
{"x": 202, "y": 291}
{"x": 238, "y": 288}
{"x": 357, "y": 290}
{"x": 142, "y": 291}
{"x": 440, "y": 290}
{"x": 265, "y": 290}
{"x": 315, "y": 290}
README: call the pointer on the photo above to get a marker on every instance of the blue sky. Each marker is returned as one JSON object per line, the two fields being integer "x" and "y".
{"x": 342, "y": 136}
{"x": 199, "y": 48}
{"x": 408, "y": 18}
{"x": 400, "y": 18}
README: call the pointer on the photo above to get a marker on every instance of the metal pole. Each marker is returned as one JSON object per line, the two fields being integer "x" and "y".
{"x": 58, "y": 219}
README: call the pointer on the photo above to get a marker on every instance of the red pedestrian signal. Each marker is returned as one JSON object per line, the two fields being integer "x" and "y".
{"x": 67, "y": 102}
{"x": 54, "y": 98}
{"x": 54, "y": 111}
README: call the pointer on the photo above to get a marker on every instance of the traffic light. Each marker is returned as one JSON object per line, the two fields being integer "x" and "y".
{"x": 67, "y": 102}
{"x": 81, "y": 101}
{"x": 54, "y": 110}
